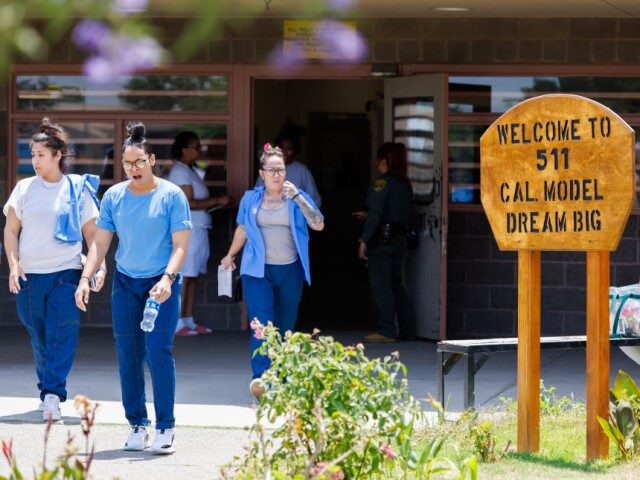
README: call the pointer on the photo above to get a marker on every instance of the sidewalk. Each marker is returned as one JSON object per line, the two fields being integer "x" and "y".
{"x": 214, "y": 408}
{"x": 213, "y": 376}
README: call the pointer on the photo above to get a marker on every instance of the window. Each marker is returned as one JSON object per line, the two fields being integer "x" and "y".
{"x": 476, "y": 102}
{"x": 96, "y": 117}
{"x": 413, "y": 126}
{"x": 157, "y": 93}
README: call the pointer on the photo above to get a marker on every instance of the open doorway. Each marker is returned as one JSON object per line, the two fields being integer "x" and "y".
{"x": 343, "y": 125}
{"x": 345, "y": 122}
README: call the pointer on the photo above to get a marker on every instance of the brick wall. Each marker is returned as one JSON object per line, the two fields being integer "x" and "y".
{"x": 428, "y": 40}
{"x": 482, "y": 282}
{"x": 481, "y": 279}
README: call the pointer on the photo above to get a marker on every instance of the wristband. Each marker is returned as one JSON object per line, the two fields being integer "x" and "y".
{"x": 84, "y": 276}
{"x": 294, "y": 197}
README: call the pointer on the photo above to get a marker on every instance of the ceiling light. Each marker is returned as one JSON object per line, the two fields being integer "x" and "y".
{"x": 451, "y": 9}
{"x": 384, "y": 70}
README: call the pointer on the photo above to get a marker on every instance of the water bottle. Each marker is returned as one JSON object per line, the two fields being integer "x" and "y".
{"x": 151, "y": 309}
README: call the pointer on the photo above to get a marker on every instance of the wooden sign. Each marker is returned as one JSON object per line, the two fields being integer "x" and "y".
{"x": 558, "y": 173}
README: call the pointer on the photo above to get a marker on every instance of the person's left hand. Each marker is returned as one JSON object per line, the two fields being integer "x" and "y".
{"x": 362, "y": 251}
{"x": 161, "y": 291}
{"x": 289, "y": 189}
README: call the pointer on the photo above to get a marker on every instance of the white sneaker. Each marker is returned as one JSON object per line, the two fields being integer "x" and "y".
{"x": 163, "y": 443}
{"x": 51, "y": 408}
{"x": 257, "y": 388}
{"x": 41, "y": 407}
{"x": 138, "y": 439}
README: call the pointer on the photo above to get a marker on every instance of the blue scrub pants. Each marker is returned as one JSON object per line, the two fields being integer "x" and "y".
{"x": 47, "y": 308}
{"x": 273, "y": 298}
{"x": 134, "y": 347}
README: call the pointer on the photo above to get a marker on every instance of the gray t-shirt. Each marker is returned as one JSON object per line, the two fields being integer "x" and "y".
{"x": 275, "y": 226}
{"x": 36, "y": 204}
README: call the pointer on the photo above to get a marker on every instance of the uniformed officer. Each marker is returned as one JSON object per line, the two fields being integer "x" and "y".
{"x": 384, "y": 241}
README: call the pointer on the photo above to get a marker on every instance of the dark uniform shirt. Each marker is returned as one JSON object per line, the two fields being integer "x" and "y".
{"x": 388, "y": 201}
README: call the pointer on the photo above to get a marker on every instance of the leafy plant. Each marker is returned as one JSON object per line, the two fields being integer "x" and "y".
{"x": 624, "y": 407}
{"x": 337, "y": 414}
{"x": 68, "y": 466}
{"x": 550, "y": 403}
{"x": 484, "y": 441}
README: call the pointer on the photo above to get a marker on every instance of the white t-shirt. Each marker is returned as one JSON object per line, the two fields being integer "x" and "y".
{"x": 181, "y": 174}
{"x": 36, "y": 204}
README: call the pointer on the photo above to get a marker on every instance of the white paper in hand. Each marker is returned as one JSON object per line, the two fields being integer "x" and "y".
{"x": 224, "y": 281}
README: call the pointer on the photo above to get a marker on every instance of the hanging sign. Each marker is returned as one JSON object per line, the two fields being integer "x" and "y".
{"x": 557, "y": 172}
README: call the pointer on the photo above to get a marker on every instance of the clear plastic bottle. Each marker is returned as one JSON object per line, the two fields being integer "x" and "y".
{"x": 151, "y": 309}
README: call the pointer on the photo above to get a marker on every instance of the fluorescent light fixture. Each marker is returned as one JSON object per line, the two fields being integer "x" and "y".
{"x": 451, "y": 9}
{"x": 384, "y": 70}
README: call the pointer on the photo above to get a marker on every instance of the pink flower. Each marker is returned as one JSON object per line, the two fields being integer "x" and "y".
{"x": 258, "y": 329}
{"x": 320, "y": 467}
{"x": 259, "y": 333}
{"x": 267, "y": 147}
{"x": 388, "y": 451}
{"x": 255, "y": 323}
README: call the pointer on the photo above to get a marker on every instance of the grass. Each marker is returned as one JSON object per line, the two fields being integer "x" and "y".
{"x": 562, "y": 452}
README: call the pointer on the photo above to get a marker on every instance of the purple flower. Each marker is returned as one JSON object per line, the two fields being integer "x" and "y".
{"x": 123, "y": 55}
{"x": 133, "y": 54}
{"x": 130, "y": 6}
{"x": 341, "y": 41}
{"x": 100, "y": 70}
{"x": 287, "y": 57}
{"x": 91, "y": 35}
{"x": 341, "y": 4}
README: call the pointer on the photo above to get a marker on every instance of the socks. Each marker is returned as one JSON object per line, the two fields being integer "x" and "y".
{"x": 189, "y": 323}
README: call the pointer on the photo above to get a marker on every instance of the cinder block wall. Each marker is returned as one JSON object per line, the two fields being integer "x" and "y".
{"x": 482, "y": 294}
{"x": 481, "y": 279}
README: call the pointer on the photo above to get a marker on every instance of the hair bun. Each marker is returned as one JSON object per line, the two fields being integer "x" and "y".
{"x": 136, "y": 129}
{"x": 52, "y": 129}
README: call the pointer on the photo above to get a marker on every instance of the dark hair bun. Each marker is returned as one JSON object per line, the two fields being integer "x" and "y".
{"x": 136, "y": 129}
{"x": 52, "y": 130}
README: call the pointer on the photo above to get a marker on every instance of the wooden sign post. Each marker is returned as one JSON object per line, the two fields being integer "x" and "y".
{"x": 557, "y": 173}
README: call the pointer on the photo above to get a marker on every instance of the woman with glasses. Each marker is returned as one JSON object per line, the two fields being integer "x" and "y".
{"x": 272, "y": 228}
{"x": 186, "y": 151}
{"x": 152, "y": 219}
{"x": 288, "y": 140}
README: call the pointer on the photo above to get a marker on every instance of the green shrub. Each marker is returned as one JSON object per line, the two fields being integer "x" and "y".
{"x": 337, "y": 414}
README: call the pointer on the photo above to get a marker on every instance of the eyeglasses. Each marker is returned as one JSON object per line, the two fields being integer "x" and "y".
{"x": 275, "y": 171}
{"x": 140, "y": 163}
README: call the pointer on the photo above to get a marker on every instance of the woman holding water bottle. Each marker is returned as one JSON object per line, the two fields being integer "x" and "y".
{"x": 152, "y": 220}
{"x": 273, "y": 222}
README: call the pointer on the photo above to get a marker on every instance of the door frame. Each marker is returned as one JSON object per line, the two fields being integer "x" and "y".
{"x": 241, "y": 136}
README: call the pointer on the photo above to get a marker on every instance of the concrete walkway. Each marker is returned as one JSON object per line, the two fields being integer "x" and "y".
{"x": 214, "y": 408}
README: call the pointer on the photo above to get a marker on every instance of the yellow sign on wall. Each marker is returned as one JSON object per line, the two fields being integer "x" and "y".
{"x": 557, "y": 172}
{"x": 319, "y": 40}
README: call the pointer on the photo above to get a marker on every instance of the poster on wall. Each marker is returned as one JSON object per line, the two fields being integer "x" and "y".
{"x": 321, "y": 40}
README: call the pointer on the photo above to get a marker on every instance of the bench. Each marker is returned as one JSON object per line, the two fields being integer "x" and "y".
{"x": 477, "y": 352}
